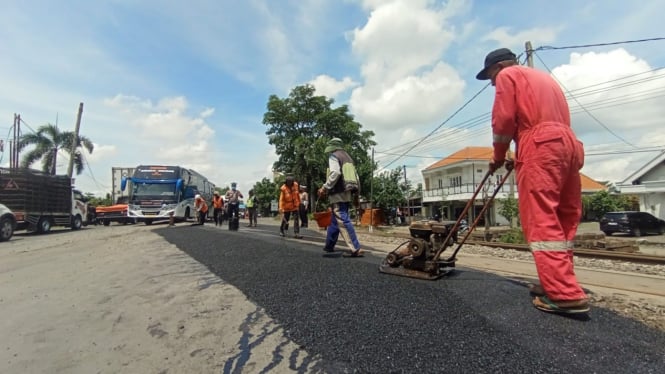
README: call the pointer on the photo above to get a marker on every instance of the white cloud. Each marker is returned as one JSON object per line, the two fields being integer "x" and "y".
{"x": 515, "y": 41}
{"x": 330, "y": 87}
{"x": 405, "y": 82}
{"x": 622, "y": 92}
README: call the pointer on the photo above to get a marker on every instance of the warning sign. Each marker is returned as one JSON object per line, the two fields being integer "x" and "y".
{"x": 11, "y": 185}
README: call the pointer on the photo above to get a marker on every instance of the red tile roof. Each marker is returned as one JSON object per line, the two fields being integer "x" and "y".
{"x": 485, "y": 154}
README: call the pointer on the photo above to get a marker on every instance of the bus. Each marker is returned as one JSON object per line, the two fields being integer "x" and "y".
{"x": 156, "y": 192}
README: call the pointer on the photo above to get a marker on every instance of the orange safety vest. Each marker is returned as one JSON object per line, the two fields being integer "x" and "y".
{"x": 217, "y": 202}
{"x": 289, "y": 198}
{"x": 201, "y": 206}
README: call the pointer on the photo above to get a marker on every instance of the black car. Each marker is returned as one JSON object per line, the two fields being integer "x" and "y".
{"x": 634, "y": 223}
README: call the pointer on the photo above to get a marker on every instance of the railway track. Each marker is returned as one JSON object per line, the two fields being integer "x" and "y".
{"x": 590, "y": 253}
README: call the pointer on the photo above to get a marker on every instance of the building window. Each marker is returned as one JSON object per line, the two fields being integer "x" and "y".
{"x": 455, "y": 181}
{"x": 440, "y": 183}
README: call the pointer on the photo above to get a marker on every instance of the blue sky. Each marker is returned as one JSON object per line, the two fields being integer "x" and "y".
{"x": 187, "y": 82}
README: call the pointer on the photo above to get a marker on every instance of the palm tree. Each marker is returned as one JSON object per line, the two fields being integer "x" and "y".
{"x": 48, "y": 140}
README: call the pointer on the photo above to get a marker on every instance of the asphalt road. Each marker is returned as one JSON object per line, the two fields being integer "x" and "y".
{"x": 355, "y": 319}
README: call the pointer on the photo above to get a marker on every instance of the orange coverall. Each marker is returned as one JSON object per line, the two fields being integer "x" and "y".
{"x": 530, "y": 108}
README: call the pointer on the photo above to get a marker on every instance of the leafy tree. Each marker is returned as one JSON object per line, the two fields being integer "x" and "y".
{"x": 98, "y": 201}
{"x": 222, "y": 190}
{"x": 509, "y": 209}
{"x": 389, "y": 189}
{"x": 47, "y": 141}
{"x": 266, "y": 191}
{"x": 300, "y": 125}
{"x": 601, "y": 202}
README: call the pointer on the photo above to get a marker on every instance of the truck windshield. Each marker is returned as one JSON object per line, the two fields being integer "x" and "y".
{"x": 157, "y": 189}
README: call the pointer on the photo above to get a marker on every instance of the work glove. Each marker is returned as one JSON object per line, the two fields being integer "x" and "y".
{"x": 510, "y": 165}
{"x": 495, "y": 165}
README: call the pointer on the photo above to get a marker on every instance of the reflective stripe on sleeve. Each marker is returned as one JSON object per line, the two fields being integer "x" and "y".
{"x": 501, "y": 138}
{"x": 551, "y": 246}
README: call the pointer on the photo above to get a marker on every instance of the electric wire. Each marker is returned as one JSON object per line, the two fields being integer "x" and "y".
{"x": 547, "y": 47}
{"x": 438, "y": 127}
{"x": 446, "y": 136}
{"x": 582, "y": 106}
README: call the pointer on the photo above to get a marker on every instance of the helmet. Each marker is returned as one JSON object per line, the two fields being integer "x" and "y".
{"x": 197, "y": 197}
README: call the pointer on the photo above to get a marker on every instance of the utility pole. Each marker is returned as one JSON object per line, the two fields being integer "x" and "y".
{"x": 14, "y": 158}
{"x": 72, "y": 151}
{"x": 12, "y": 145}
{"x": 406, "y": 188}
{"x": 371, "y": 196}
{"x": 529, "y": 54}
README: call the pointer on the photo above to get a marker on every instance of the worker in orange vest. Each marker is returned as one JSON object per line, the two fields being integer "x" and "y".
{"x": 202, "y": 209}
{"x": 289, "y": 203}
{"x": 218, "y": 206}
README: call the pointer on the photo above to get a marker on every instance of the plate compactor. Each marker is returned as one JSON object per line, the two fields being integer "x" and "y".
{"x": 420, "y": 257}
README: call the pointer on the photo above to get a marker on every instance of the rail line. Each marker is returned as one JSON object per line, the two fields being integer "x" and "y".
{"x": 591, "y": 253}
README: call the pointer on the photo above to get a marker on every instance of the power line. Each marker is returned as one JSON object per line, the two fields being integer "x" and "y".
{"x": 582, "y": 106}
{"x": 589, "y": 154}
{"x": 442, "y": 124}
{"x": 547, "y": 47}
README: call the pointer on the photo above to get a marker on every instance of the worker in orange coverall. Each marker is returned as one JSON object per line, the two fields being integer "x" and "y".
{"x": 530, "y": 108}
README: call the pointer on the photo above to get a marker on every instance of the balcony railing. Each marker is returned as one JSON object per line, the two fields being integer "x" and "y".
{"x": 453, "y": 192}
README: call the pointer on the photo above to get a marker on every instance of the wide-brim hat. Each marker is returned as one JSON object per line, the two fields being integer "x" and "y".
{"x": 333, "y": 145}
{"x": 497, "y": 55}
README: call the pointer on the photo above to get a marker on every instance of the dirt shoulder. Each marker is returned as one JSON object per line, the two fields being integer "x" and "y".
{"x": 121, "y": 299}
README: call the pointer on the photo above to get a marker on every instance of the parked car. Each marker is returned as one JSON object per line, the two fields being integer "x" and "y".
{"x": 7, "y": 223}
{"x": 633, "y": 223}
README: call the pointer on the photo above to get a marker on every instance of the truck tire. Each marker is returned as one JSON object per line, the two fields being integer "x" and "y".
{"x": 77, "y": 222}
{"x": 187, "y": 214}
{"x": 106, "y": 222}
{"x": 6, "y": 229}
{"x": 148, "y": 222}
{"x": 44, "y": 225}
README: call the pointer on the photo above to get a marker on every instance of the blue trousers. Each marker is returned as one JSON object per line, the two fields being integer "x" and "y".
{"x": 341, "y": 213}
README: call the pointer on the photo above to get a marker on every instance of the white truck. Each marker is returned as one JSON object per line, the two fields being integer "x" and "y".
{"x": 118, "y": 195}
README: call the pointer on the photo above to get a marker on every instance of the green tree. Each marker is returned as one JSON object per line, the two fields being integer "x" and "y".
{"x": 602, "y": 202}
{"x": 300, "y": 125}
{"x": 47, "y": 141}
{"x": 510, "y": 210}
{"x": 389, "y": 189}
{"x": 98, "y": 201}
{"x": 222, "y": 190}
{"x": 266, "y": 192}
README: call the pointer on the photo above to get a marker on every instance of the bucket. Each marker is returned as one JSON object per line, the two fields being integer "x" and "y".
{"x": 323, "y": 218}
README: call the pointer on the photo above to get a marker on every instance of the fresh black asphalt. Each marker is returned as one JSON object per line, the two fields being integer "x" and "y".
{"x": 359, "y": 320}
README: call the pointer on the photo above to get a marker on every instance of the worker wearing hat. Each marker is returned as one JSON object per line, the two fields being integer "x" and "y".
{"x": 201, "y": 208}
{"x": 233, "y": 197}
{"x": 218, "y": 207}
{"x": 531, "y": 109}
{"x": 340, "y": 199}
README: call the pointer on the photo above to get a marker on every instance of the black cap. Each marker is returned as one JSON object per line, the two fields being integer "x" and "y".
{"x": 498, "y": 55}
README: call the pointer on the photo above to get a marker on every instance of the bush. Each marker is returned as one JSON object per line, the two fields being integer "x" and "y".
{"x": 514, "y": 236}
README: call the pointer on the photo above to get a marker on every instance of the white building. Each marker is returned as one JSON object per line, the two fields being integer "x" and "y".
{"x": 648, "y": 183}
{"x": 450, "y": 183}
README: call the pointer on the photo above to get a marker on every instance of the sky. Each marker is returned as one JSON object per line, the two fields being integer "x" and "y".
{"x": 187, "y": 83}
